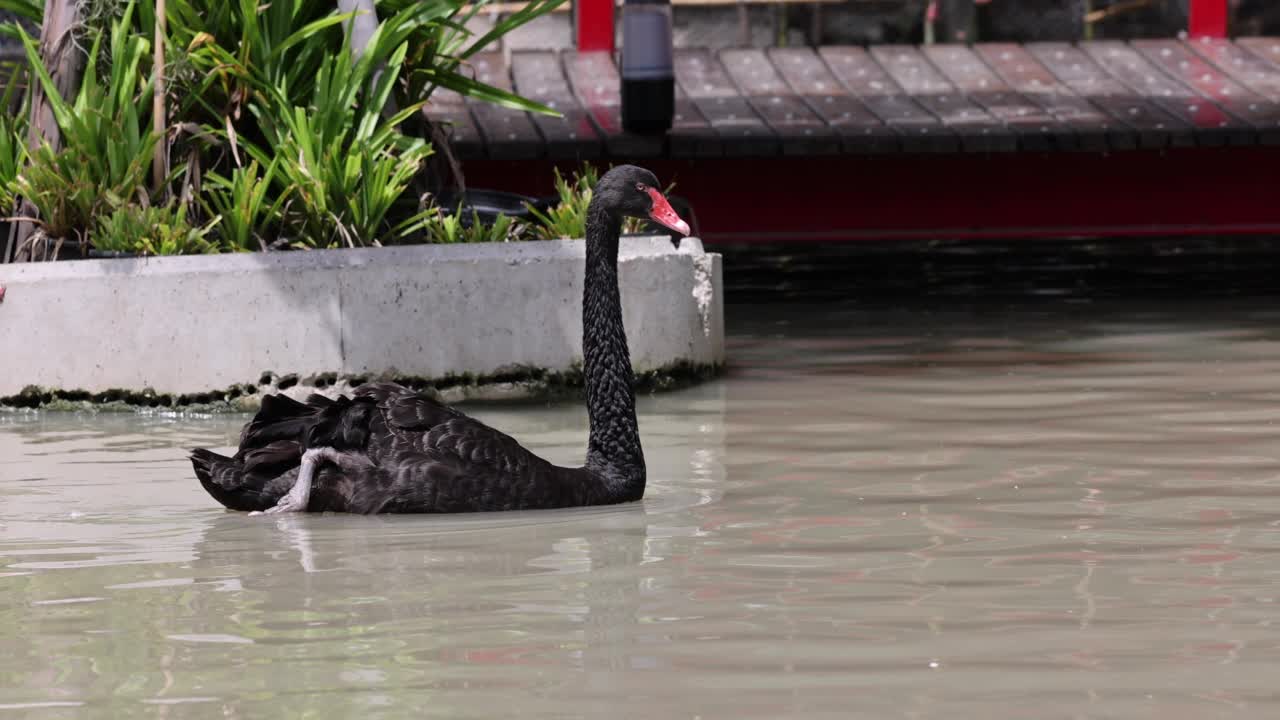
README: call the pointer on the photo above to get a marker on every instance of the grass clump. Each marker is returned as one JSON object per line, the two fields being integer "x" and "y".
{"x": 272, "y": 132}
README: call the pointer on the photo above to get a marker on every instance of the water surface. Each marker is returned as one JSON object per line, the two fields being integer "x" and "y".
{"x": 1049, "y": 510}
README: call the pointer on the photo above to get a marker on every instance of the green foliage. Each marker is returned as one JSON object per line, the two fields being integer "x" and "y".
{"x": 442, "y": 45}
{"x": 282, "y": 132}
{"x": 245, "y": 205}
{"x": 106, "y": 137}
{"x": 447, "y": 229}
{"x": 61, "y": 187}
{"x": 26, "y": 9}
{"x": 13, "y": 155}
{"x": 568, "y": 218}
{"x": 244, "y": 49}
{"x": 162, "y": 230}
{"x": 347, "y": 166}
{"x": 241, "y": 50}
{"x": 30, "y": 10}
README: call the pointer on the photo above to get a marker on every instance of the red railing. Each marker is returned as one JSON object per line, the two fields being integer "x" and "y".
{"x": 1208, "y": 18}
{"x": 593, "y": 25}
{"x": 593, "y": 20}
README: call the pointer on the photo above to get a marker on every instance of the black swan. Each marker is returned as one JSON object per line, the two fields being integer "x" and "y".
{"x": 387, "y": 449}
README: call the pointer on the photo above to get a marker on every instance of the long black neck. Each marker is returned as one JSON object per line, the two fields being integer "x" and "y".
{"x": 613, "y": 451}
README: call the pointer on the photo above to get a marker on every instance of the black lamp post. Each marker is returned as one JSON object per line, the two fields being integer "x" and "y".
{"x": 648, "y": 72}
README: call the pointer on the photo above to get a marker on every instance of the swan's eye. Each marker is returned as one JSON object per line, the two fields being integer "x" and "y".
{"x": 640, "y": 187}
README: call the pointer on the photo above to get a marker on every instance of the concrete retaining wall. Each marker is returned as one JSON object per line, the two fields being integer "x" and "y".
{"x": 200, "y": 324}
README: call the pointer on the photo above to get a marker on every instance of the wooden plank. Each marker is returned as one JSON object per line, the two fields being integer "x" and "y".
{"x": 448, "y": 108}
{"x": 1212, "y": 126}
{"x": 491, "y": 68}
{"x": 597, "y": 87}
{"x": 1244, "y": 66}
{"x": 690, "y": 134}
{"x": 538, "y": 76}
{"x": 1244, "y": 106}
{"x": 741, "y": 131}
{"x": 799, "y": 129}
{"x": 977, "y": 129}
{"x": 1095, "y": 129}
{"x": 509, "y": 134}
{"x": 809, "y": 78}
{"x": 1079, "y": 73}
{"x": 919, "y": 129}
{"x": 1264, "y": 48}
{"x": 1037, "y": 129}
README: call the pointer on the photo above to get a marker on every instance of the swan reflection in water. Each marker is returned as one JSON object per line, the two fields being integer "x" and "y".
{"x": 463, "y": 596}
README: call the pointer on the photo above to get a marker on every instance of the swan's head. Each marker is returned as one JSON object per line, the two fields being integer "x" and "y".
{"x": 632, "y": 191}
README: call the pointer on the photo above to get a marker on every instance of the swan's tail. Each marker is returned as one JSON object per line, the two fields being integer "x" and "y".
{"x": 221, "y": 476}
{"x": 253, "y": 480}
{"x": 271, "y": 446}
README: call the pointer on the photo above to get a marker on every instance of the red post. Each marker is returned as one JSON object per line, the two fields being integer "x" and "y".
{"x": 1208, "y": 18}
{"x": 593, "y": 24}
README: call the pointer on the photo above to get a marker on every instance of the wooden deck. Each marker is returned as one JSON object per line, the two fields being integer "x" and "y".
{"x": 1106, "y": 139}
{"x": 1096, "y": 97}
{"x": 838, "y": 143}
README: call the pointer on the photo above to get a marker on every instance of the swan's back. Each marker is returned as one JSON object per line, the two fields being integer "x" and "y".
{"x": 397, "y": 451}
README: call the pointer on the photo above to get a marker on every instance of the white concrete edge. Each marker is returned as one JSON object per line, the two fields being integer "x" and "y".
{"x": 302, "y": 260}
{"x": 201, "y": 324}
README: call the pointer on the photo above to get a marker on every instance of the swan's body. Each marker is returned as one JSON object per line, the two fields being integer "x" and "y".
{"x": 387, "y": 449}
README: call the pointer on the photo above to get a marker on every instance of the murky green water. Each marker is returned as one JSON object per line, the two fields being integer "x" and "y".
{"x": 1061, "y": 511}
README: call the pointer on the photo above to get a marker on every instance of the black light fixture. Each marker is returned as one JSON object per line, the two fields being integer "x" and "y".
{"x": 648, "y": 71}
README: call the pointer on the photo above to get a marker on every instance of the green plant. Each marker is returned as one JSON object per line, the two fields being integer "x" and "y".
{"x": 13, "y": 154}
{"x": 346, "y": 165}
{"x": 449, "y": 228}
{"x": 441, "y": 44}
{"x": 241, "y": 51}
{"x": 62, "y": 188}
{"x": 280, "y": 130}
{"x": 245, "y": 206}
{"x": 235, "y": 49}
{"x": 568, "y": 218}
{"x": 107, "y": 142}
{"x": 162, "y": 230}
{"x": 30, "y": 10}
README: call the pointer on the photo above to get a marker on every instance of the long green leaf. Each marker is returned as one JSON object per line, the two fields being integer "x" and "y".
{"x": 32, "y": 10}
{"x": 61, "y": 113}
{"x": 473, "y": 88}
{"x": 309, "y": 31}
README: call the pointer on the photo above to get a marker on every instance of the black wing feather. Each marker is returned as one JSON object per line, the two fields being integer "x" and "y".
{"x": 401, "y": 452}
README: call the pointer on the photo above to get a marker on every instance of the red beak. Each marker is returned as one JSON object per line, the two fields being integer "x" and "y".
{"x": 664, "y": 215}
